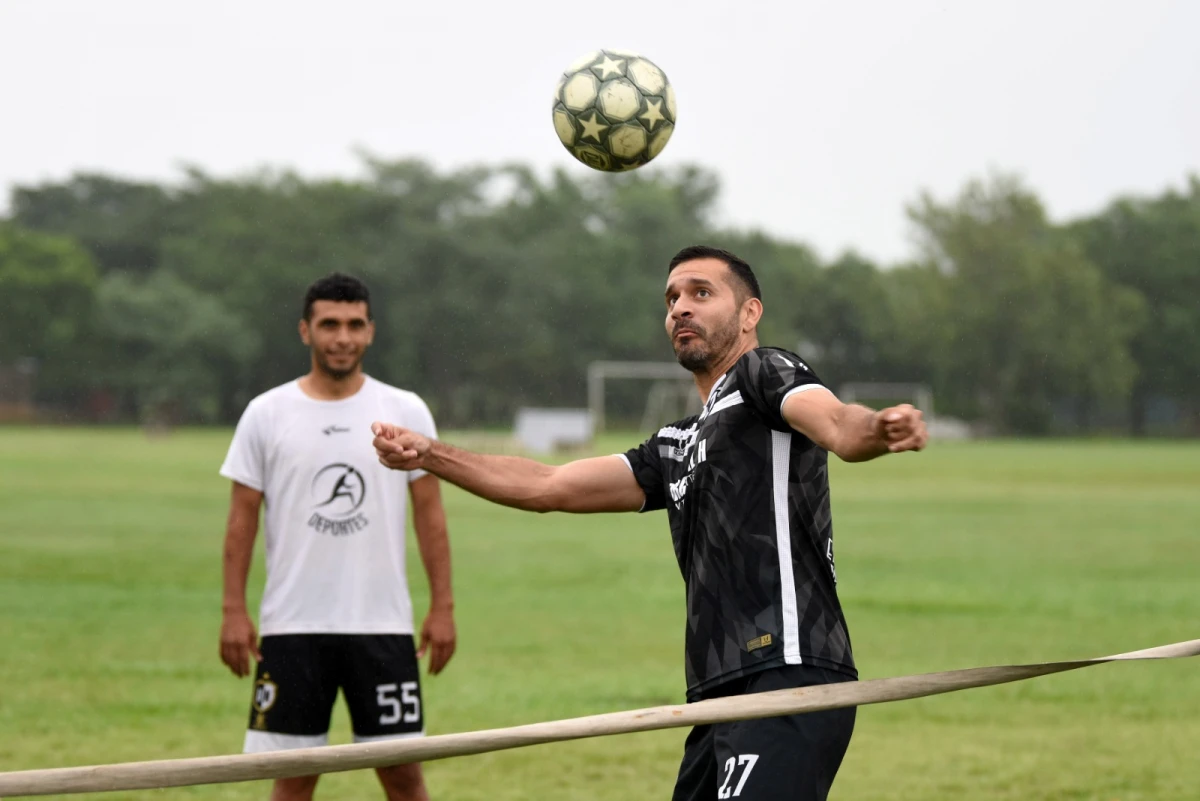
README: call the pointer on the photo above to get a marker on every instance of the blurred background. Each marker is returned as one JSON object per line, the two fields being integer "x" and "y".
{"x": 989, "y": 209}
{"x": 998, "y": 203}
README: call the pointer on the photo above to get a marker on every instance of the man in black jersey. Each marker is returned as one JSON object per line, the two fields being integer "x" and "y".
{"x": 745, "y": 486}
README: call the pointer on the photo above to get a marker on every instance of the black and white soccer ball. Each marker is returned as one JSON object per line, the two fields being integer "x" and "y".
{"x": 614, "y": 110}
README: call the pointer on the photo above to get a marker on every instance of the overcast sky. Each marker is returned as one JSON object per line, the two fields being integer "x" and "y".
{"x": 823, "y": 119}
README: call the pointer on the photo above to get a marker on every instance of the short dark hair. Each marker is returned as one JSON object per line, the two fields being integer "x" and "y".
{"x": 337, "y": 287}
{"x": 739, "y": 268}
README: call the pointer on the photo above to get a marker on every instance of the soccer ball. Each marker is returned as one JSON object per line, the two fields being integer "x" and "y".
{"x": 614, "y": 110}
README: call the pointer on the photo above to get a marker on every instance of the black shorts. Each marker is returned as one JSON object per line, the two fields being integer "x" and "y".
{"x": 297, "y": 682}
{"x": 792, "y": 758}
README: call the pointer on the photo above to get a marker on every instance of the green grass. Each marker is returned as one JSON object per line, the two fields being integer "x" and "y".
{"x": 967, "y": 554}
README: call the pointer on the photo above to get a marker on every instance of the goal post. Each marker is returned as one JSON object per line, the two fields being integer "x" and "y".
{"x": 662, "y": 373}
{"x": 920, "y": 395}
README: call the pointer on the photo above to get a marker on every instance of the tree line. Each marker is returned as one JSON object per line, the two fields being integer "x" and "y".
{"x": 494, "y": 288}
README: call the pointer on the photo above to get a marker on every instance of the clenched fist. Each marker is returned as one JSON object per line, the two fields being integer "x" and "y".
{"x": 399, "y": 448}
{"x": 902, "y": 428}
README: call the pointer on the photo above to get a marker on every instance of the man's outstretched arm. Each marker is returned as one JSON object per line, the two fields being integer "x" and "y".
{"x": 600, "y": 484}
{"x": 854, "y": 433}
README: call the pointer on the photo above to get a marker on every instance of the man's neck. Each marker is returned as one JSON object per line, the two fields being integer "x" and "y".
{"x": 319, "y": 385}
{"x": 706, "y": 379}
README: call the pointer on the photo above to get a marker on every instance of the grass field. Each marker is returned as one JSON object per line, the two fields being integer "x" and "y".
{"x": 967, "y": 554}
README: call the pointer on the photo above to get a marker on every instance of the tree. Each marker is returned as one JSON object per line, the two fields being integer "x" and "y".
{"x": 848, "y": 317}
{"x": 47, "y": 286}
{"x": 1031, "y": 319}
{"x": 494, "y": 287}
{"x": 1152, "y": 246}
{"x": 121, "y": 223}
{"x": 173, "y": 346}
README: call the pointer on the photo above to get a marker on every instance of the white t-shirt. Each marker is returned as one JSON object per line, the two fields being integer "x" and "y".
{"x": 335, "y": 517}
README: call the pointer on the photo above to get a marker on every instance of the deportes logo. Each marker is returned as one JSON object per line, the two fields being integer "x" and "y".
{"x": 338, "y": 490}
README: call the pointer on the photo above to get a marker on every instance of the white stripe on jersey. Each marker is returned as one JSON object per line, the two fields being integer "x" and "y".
{"x": 716, "y": 389}
{"x": 685, "y": 437}
{"x": 795, "y": 390}
{"x": 625, "y": 459}
{"x": 681, "y": 434}
{"x": 732, "y": 400}
{"x": 781, "y": 454}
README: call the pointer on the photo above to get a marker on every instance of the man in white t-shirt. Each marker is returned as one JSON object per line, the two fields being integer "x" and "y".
{"x": 336, "y": 611}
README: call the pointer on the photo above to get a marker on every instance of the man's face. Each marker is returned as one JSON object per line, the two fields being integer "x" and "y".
{"x": 703, "y": 312}
{"x": 339, "y": 333}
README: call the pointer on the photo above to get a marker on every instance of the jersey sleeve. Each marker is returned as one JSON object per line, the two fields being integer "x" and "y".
{"x": 245, "y": 462}
{"x": 646, "y": 463}
{"x": 768, "y": 376}
{"x": 420, "y": 420}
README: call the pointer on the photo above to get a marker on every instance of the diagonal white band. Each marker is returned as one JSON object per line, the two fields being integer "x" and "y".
{"x": 334, "y": 758}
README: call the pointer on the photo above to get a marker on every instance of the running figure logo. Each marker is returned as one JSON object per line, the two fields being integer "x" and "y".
{"x": 338, "y": 490}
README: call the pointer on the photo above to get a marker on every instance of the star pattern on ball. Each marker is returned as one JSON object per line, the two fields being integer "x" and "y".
{"x": 614, "y": 110}
{"x": 591, "y": 128}
{"x": 609, "y": 65}
{"x": 653, "y": 114}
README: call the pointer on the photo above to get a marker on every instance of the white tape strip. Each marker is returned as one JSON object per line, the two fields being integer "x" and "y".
{"x": 335, "y": 758}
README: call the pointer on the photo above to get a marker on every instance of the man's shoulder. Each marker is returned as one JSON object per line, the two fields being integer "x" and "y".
{"x": 770, "y": 363}
{"x": 771, "y": 353}
{"x": 273, "y": 396}
{"x": 406, "y": 399}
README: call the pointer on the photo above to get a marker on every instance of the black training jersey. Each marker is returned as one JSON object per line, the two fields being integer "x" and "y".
{"x": 747, "y": 498}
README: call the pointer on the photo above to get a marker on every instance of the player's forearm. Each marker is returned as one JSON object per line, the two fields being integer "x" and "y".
{"x": 433, "y": 540}
{"x": 857, "y": 438}
{"x": 238, "y": 554}
{"x": 507, "y": 480}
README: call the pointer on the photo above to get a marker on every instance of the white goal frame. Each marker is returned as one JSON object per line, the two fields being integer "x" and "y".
{"x": 921, "y": 394}
{"x": 599, "y": 372}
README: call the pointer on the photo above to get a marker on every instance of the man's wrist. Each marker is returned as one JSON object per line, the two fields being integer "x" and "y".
{"x": 435, "y": 458}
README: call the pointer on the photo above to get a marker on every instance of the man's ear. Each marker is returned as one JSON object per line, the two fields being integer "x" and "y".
{"x": 752, "y": 312}
{"x": 304, "y": 332}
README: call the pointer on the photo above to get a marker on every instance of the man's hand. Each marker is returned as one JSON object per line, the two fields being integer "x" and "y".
{"x": 438, "y": 638}
{"x": 239, "y": 641}
{"x": 399, "y": 448}
{"x": 901, "y": 428}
